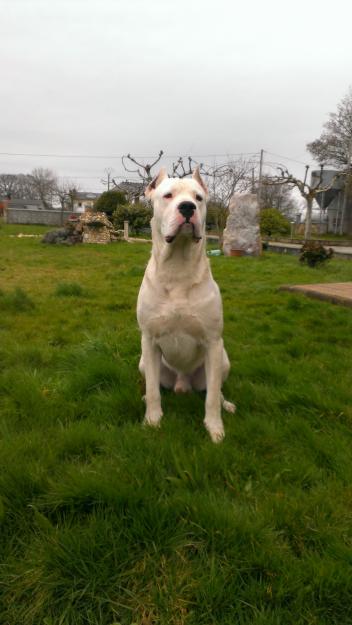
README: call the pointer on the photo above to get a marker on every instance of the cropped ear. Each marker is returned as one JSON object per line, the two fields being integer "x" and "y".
{"x": 155, "y": 182}
{"x": 196, "y": 175}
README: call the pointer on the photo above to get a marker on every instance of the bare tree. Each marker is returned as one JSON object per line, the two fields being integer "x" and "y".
{"x": 8, "y": 185}
{"x": 66, "y": 193}
{"x": 334, "y": 146}
{"x": 223, "y": 181}
{"x": 307, "y": 191}
{"x": 277, "y": 196}
{"x": 44, "y": 183}
{"x": 143, "y": 169}
{"x": 179, "y": 170}
{"x": 16, "y": 186}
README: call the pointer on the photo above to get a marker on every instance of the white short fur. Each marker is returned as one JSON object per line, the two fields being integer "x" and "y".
{"x": 179, "y": 308}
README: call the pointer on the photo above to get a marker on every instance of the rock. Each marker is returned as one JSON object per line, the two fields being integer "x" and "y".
{"x": 71, "y": 234}
{"x": 242, "y": 230}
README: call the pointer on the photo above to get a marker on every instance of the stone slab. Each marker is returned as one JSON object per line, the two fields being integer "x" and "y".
{"x": 336, "y": 292}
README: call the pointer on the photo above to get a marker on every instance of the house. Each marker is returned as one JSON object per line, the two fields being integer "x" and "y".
{"x": 84, "y": 201}
{"x": 134, "y": 191}
{"x": 335, "y": 205}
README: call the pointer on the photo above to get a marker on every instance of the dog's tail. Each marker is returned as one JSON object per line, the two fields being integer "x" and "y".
{"x": 227, "y": 405}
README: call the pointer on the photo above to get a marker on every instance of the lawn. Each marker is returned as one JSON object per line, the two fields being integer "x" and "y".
{"x": 104, "y": 522}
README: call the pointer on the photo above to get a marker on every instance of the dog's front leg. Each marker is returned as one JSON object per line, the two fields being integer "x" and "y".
{"x": 152, "y": 361}
{"x": 213, "y": 372}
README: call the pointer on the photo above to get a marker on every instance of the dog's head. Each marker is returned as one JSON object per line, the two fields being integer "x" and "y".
{"x": 179, "y": 206}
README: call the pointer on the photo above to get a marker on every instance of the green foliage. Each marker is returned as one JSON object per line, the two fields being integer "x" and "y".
{"x": 109, "y": 201}
{"x": 273, "y": 222}
{"x": 138, "y": 216}
{"x": 103, "y": 521}
{"x": 16, "y": 300}
{"x": 314, "y": 253}
{"x": 216, "y": 219}
{"x": 69, "y": 289}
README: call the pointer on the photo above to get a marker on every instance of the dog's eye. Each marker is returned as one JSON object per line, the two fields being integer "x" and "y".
{"x": 167, "y": 196}
{"x": 199, "y": 197}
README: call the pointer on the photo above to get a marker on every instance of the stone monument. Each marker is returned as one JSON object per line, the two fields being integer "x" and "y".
{"x": 96, "y": 227}
{"x": 242, "y": 232}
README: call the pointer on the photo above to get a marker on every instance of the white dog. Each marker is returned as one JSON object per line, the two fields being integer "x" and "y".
{"x": 179, "y": 307}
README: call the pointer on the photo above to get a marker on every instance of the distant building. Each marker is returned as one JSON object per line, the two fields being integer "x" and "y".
{"x": 23, "y": 203}
{"x": 335, "y": 215}
{"x": 134, "y": 191}
{"x": 84, "y": 201}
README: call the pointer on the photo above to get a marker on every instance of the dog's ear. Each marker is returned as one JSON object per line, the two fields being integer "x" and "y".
{"x": 155, "y": 182}
{"x": 196, "y": 175}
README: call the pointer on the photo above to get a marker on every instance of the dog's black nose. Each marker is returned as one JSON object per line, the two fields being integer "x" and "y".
{"x": 187, "y": 209}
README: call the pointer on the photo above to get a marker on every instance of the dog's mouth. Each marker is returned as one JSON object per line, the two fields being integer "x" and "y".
{"x": 187, "y": 228}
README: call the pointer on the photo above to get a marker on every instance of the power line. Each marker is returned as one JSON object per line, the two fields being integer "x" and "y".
{"x": 287, "y": 158}
{"x": 99, "y": 178}
{"x": 115, "y": 156}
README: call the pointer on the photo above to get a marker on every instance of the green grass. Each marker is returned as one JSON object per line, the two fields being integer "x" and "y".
{"x": 104, "y": 522}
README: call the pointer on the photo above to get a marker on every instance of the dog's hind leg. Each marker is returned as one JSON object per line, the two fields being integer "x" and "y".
{"x": 227, "y": 405}
{"x": 198, "y": 379}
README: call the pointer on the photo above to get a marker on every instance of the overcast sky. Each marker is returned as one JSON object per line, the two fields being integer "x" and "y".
{"x": 199, "y": 77}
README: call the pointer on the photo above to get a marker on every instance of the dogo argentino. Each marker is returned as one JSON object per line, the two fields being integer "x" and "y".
{"x": 179, "y": 308}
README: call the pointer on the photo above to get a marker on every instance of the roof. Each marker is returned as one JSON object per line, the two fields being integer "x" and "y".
{"x": 132, "y": 188}
{"x": 24, "y": 203}
{"x": 86, "y": 195}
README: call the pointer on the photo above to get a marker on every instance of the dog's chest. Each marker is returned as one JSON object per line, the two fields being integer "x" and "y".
{"x": 176, "y": 312}
{"x": 180, "y": 330}
{"x": 178, "y": 315}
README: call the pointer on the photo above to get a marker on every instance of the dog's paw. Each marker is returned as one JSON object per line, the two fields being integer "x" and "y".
{"x": 152, "y": 418}
{"x": 229, "y": 406}
{"x": 216, "y": 430}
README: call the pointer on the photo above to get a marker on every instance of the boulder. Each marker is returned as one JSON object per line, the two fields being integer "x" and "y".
{"x": 242, "y": 232}
{"x": 69, "y": 235}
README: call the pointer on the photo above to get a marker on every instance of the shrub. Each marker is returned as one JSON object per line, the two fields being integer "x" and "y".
{"x": 16, "y": 301}
{"x": 138, "y": 216}
{"x": 108, "y": 201}
{"x": 69, "y": 289}
{"x": 314, "y": 253}
{"x": 216, "y": 215}
{"x": 273, "y": 222}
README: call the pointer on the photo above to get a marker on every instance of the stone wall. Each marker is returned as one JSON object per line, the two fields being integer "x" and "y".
{"x": 35, "y": 216}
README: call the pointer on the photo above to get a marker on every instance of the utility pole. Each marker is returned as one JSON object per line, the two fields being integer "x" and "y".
{"x": 109, "y": 178}
{"x": 344, "y": 206}
{"x": 253, "y": 181}
{"x": 345, "y": 193}
{"x": 260, "y": 182}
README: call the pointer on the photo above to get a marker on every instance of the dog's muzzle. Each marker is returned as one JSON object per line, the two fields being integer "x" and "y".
{"x": 187, "y": 210}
